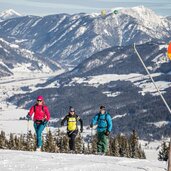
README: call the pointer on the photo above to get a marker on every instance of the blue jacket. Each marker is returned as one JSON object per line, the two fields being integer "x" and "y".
{"x": 104, "y": 122}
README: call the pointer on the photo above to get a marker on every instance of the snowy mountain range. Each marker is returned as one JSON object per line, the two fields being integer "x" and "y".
{"x": 70, "y": 39}
{"x": 8, "y": 14}
{"x": 14, "y": 58}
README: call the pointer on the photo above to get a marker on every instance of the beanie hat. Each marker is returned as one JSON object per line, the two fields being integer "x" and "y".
{"x": 102, "y": 107}
{"x": 40, "y": 98}
{"x": 71, "y": 109}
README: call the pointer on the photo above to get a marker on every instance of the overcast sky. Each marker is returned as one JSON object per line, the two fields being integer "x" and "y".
{"x": 45, "y": 7}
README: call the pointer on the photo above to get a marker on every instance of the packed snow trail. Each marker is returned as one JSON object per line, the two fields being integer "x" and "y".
{"x": 31, "y": 161}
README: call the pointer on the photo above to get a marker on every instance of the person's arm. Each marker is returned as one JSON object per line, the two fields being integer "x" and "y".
{"x": 94, "y": 120}
{"x": 109, "y": 121}
{"x": 31, "y": 111}
{"x": 81, "y": 123}
{"x": 47, "y": 113}
{"x": 63, "y": 121}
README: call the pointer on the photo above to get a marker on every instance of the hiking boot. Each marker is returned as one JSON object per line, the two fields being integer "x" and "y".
{"x": 38, "y": 149}
{"x": 101, "y": 153}
{"x": 72, "y": 152}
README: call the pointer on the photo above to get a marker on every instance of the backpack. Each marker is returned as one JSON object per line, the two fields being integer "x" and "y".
{"x": 35, "y": 108}
{"x": 72, "y": 123}
{"x": 105, "y": 119}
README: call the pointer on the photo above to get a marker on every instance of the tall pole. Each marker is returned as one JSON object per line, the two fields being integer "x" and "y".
{"x": 28, "y": 126}
{"x": 163, "y": 99}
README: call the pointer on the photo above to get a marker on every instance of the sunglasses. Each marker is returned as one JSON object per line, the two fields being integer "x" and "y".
{"x": 39, "y": 100}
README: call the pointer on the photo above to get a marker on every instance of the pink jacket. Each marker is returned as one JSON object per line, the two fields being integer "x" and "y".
{"x": 40, "y": 113}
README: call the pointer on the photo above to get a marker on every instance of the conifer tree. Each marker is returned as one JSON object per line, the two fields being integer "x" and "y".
{"x": 134, "y": 145}
{"x": 3, "y": 144}
{"x": 65, "y": 142}
{"x": 79, "y": 144}
{"x": 11, "y": 142}
{"x": 88, "y": 148}
{"x": 62, "y": 142}
{"x": 30, "y": 142}
{"x": 163, "y": 153}
{"x": 43, "y": 143}
{"x": 94, "y": 145}
{"x": 119, "y": 146}
{"x": 128, "y": 151}
{"x": 114, "y": 147}
{"x": 50, "y": 145}
{"x": 84, "y": 151}
{"x": 123, "y": 152}
{"x": 17, "y": 143}
{"x": 22, "y": 143}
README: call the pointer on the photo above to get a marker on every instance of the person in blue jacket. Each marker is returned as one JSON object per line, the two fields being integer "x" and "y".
{"x": 104, "y": 127}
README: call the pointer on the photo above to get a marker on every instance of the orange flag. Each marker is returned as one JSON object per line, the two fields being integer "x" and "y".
{"x": 169, "y": 51}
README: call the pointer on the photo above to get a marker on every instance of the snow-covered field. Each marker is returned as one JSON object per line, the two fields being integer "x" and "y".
{"x": 32, "y": 161}
{"x": 12, "y": 85}
{"x": 138, "y": 80}
{"x": 10, "y": 114}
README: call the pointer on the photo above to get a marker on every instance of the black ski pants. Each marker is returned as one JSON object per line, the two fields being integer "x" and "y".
{"x": 72, "y": 135}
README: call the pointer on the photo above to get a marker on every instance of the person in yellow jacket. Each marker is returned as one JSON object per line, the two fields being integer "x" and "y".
{"x": 72, "y": 126}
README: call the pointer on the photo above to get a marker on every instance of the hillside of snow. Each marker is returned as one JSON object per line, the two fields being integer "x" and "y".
{"x": 19, "y": 161}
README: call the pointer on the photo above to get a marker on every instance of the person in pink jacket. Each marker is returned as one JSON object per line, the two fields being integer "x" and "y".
{"x": 41, "y": 118}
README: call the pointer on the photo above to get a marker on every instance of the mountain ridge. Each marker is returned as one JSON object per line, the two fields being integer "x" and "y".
{"x": 9, "y": 14}
{"x": 70, "y": 39}
{"x": 14, "y": 58}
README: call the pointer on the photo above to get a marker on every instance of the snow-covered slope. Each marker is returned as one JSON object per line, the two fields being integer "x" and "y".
{"x": 118, "y": 63}
{"x": 62, "y": 162}
{"x": 69, "y": 39}
{"x": 8, "y": 14}
{"x": 13, "y": 58}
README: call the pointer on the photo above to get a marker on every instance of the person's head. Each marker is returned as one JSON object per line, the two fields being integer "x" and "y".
{"x": 71, "y": 110}
{"x": 40, "y": 100}
{"x": 102, "y": 109}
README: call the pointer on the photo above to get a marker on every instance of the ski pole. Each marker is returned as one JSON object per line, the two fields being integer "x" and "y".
{"x": 47, "y": 128}
{"x": 91, "y": 134}
{"x": 163, "y": 99}
{"x": 28, "y": 126}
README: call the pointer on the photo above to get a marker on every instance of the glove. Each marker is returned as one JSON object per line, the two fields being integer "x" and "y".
{"x": 45, "y": 122}
{"x": 107, "y": 133}
{"x": 91, "y": 125}
{"x": 81, "y": 130}
{"x": 28, "y": 117}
